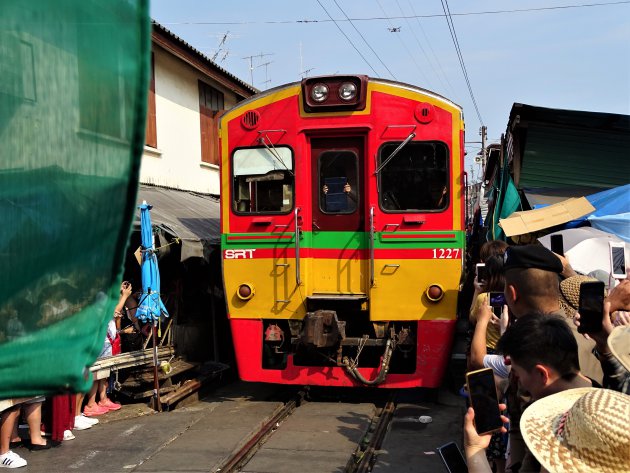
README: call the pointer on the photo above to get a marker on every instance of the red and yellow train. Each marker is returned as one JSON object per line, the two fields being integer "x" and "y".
{"x": 342, "y": 227}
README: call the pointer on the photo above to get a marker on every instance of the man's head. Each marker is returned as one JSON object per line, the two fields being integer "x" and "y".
{"x": 542, "y": 350}
{"x": 531, "y": 279}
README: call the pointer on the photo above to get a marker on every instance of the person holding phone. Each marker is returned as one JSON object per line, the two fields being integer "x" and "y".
{"x": 544, "y": 358}
{"x": 616, "y": 373}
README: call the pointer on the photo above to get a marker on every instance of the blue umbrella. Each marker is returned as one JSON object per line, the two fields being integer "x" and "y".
{"x": 150, "y": 307}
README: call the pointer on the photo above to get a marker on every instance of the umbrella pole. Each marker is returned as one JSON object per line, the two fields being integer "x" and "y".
{"x": 156, "y": 385}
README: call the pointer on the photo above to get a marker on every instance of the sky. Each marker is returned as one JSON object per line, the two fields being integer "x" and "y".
{"x": 567, "y": 54}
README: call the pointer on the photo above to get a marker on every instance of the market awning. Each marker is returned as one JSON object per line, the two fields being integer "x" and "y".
{"x": 193, "y": 218}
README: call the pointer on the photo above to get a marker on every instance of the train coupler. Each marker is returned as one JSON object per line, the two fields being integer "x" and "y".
{"x": 322, "y": 329}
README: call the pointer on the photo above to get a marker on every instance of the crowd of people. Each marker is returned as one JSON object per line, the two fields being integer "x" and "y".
{"x": 564, "y": 394}
{"x": 51, "y": 421}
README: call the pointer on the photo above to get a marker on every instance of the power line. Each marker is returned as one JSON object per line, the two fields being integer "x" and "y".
{"x": 402, "y": 42}
{"x": 365, "y": 41}
{"x": 435, "y": 56}
{"x": 349, "y": 40}
{"x": 378, "y": 18}
{"x": 451, "y": 28}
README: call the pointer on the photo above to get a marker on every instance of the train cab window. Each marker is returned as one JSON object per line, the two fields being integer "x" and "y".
{"x": 338, "y": 183}
{"x": 263, "y": 180}
{"x": 415, "y": 179}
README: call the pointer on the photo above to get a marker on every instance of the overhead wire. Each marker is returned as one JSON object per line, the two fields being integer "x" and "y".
{"x": 412, "y": 56}
{"x": 451, "y": 27}
{"x": 349, "y": 40}
{"x": 426, "y": 56}
{"x": 365, "y": 41}
{"x": 379, "y": 18}
{"x": 435, "y": 56}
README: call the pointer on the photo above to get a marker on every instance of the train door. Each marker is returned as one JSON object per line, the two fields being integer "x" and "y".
{"x": 338, "y": 237}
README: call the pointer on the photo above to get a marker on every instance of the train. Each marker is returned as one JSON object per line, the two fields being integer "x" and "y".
{"x": 343, "y": 232}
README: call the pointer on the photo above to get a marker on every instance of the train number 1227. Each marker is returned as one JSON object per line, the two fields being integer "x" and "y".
{"x": 446, "y": 253}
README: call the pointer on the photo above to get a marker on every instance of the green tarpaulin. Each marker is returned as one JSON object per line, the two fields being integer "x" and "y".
{"x": 73, "y": 89}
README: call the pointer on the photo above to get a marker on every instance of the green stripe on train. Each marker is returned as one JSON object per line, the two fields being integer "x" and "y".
{"x": 345, "y": 240}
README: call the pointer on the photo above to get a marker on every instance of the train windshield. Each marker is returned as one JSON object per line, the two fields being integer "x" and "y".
{"x": 416, "y": 179}
{"x": 263, "y": 180}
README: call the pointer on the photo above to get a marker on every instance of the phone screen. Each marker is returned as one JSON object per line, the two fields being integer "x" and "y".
{"x": 557, "y": 244}
{"x": 497, "y": 299}
{"x": 481, "y": 272}
{"x": 591, "y": 306}
{"x": 453, "y": 458}
{"x": 618, "y": 258}
{"x": 483, "y": 397}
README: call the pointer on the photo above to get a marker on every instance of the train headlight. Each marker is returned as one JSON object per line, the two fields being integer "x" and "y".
{"x": 319, "y": 92}
{"x": 434, "y": 292}
{"x": 245, "y": 292}
{"x": 347, "y": 91}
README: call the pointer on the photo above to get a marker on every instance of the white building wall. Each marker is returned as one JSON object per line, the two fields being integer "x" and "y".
{"x": 176, "y": 162}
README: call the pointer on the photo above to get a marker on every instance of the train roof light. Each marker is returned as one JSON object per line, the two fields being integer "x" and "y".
{"x": 319, "y": 93}
{"x": 347, "y": 91}
{"x": 334, "y": 93}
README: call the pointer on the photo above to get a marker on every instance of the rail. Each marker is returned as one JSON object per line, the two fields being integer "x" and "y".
{"x": 247, "y": 451}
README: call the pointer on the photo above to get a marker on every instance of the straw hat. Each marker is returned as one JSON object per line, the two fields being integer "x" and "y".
{"x": 619, "y": 344}
{"x": 581, "y": 430}
{"x": 570, "y": 293}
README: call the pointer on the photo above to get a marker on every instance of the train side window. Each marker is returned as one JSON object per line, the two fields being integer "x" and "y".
{"x": 262, "y": 180}
{"x": 416, "y": 179}
{"x": 338, "y": 185}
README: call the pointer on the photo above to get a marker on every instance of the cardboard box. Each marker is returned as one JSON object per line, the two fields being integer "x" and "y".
{"x": 529, "y": 221}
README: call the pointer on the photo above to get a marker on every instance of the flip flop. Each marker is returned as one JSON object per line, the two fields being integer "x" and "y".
{"x": 16, "y": 444}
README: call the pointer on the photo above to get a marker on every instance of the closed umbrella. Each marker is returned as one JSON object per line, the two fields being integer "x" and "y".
{"x": 150, "y": 307}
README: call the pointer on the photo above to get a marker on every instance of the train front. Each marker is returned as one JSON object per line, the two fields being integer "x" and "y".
{"x": 342, "y": 232}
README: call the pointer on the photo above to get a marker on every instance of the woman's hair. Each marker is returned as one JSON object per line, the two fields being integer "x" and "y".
{"x": 495, "y": 278}
{"x": 492, "y": 248}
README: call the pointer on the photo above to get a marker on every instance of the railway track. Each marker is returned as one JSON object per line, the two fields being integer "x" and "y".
{"x": 360, "y": 459}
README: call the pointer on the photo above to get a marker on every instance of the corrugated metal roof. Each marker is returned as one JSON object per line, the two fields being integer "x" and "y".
{"x": 203, "y": 57}
{"x": 193, "y": 218}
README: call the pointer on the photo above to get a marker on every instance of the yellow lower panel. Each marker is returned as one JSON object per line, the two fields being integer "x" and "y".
{"x": 276, "y": 292}
{"x": 337, "y": 276}
{"x": 400, "y": 286}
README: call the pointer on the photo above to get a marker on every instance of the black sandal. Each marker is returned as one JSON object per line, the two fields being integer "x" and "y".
{"x": 35, "y": 447}
{"x": 16, "y": 444}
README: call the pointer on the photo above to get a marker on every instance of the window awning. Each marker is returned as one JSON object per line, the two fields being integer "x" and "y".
{"x": 193, "y": 218}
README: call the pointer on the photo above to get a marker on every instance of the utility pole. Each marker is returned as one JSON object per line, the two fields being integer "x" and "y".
{"x": 483, "y": 131}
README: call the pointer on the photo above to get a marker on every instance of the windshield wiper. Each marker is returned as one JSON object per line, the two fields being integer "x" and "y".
{"x": 411, "y": 136}
{"x": 274, "y": 153}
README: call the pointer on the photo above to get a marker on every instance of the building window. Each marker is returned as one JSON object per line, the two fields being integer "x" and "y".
{"x": 210, "y": 105}
{"x": 151, "y": 130}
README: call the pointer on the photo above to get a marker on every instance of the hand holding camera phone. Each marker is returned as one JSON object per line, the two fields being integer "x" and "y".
{"x": 557, "y": 244}
{"x": 591, "y": 306}
{"x": 618, "y": 259}
{"x": 482, "y": 274}
{"x": 453, "y": 458}
{"x": 483, "y": 398}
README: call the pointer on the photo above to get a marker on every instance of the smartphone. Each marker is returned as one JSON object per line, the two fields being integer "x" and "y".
{"x": 618, "y": 259}
{"x": 591, "y": 307}
{"x": 481, "y": 272}
{"x": 453, "y": 458}
{"x": 557, "y": 244}
{"x": 483, "y": 398}
{"x": 497, "y": 299}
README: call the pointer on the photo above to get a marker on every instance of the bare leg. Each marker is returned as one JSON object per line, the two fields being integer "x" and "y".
{"x": 8, "y": 421}
{"x": 91, "y": 396}
{"x": 79, "y": 403}
{"x": 102, "y": 390}
{"x": 33, "y": 414}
